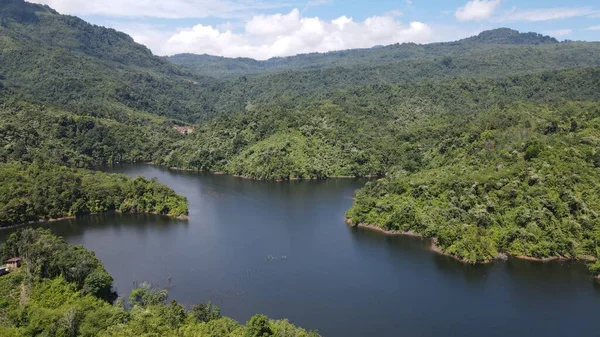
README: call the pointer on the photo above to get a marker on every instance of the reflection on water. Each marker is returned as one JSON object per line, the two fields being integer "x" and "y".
{"x": 342, "y": 281}
{"x": 114, "y": 222}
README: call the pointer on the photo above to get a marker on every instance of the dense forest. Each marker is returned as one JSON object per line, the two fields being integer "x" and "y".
{"x": 366, "y": 131}
{"x": 91, "y": 70}
{"x": 38, "y": 132}
{"x": 54, "y": 114}
{"x": 94, "y": 71}
{"x": 41, "y": 191}
{"x": 522, "y": 181}
{"x": 63, "y": 290}
{"x": 487, "y": 144}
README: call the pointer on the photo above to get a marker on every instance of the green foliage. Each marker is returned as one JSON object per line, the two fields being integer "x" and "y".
{"x": 47, "y": 256}
{"x": 55, "y": 308}
{"x": 205, "y": 312}
{"x": 92, "y": 70}
{"x": 33, "y": 132}
{"x": 258, "y": 326}
{"x": 41, "y": 192}
{"x": 147, "y": 296}
{"x": 366, "y": 131}
{"x": 489, "y": 144}
{"x": 502, "y": 185}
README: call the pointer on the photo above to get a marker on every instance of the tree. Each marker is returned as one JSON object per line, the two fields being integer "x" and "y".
{"x": 205, "y": 312}
{"x": 258, "y": 326}
{"x": 146, "y": 295}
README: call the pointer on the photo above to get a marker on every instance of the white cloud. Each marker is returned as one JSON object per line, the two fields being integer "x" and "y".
{"x": 593, "y": 28}
{"x": 476, "y": 10}
{"x": 276, "y": 24}
{"x": 172, "y": 9}
{"x": 544, "y": 14}
{"x": 560, "y": 32}
{"x": 266, "y": 36}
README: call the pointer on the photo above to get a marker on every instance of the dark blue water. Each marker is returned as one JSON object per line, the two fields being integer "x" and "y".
{"x": 339, "y": 280}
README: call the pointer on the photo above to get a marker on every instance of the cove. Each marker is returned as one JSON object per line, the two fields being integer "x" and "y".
{"x": 283, "y": 249}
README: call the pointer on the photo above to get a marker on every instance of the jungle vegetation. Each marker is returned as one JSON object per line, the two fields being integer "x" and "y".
{"x": 367, "y": 131}
{"x": 522, "y": 181}
{"x": 37, "y": 192}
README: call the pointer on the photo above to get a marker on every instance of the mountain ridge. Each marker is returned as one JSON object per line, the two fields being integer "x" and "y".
{"x": 502, "y": 35}
{"x": 392, "y": 52}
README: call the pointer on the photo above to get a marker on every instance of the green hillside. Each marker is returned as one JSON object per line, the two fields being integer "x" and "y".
{"x": 91, "y": 70}
{"x": 366, "y": 131}
{"x": 522, "y": 181}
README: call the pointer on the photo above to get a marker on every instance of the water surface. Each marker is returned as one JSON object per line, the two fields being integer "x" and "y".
{"x": 283, "y": 249}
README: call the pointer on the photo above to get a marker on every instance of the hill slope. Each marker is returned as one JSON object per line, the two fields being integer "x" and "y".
{"x": 362, "y": 131}
{"x": 522, "y": 181}
{"x": 92, "y": 70}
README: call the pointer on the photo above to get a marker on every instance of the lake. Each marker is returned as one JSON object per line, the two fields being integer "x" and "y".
{"x": 283, "y": 249}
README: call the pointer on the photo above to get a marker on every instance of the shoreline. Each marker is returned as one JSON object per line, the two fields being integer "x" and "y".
{"x": 543, "y": 259}
{"x": 174, "y": 168}
{"x": 432, "y": 241}
{"x": 435, "y": 248}
{"x": 294, "y": 179}
{"x": 73, "y": 217}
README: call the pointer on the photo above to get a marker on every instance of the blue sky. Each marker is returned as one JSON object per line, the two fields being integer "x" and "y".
{"x": 265, "y": 28}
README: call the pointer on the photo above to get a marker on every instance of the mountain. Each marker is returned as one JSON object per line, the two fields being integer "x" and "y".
{"x": 504, "y": 44}
{"x": 92, "y": 70}
{"x": 363, "y": 131}
{"x": 99, "y": 72}
{"x": 510, "y": 36}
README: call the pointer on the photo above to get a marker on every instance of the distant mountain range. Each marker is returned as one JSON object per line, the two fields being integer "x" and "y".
{"x": 488, "y": 43}
{"x": 88, "y": 69}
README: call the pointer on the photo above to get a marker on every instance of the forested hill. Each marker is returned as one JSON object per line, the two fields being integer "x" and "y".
{"x": 92, "y": 70}
{"x": 95, "y": 71}
{"x": 489, "y": 53}
{"x": 364, "y": 131}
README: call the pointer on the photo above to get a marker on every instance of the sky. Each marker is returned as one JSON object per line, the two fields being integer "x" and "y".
{"x": 262, "y": 29}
